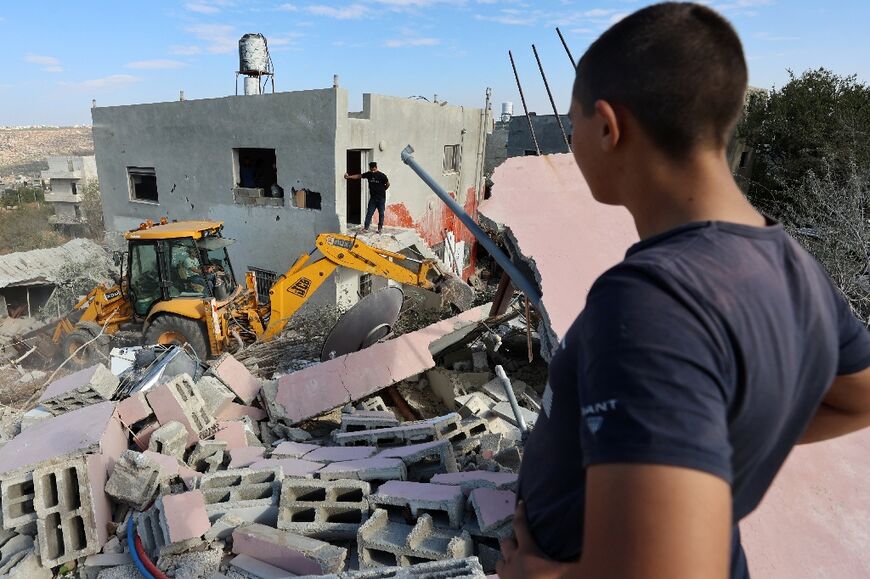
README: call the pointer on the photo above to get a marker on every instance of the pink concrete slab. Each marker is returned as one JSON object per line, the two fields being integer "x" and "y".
{"x": 234, "y": 411}
{"x": 568, "y": 237}
{"x": 405, "y": 451}
{"x": 341, "y": 453}
{"x": 420, "y": 491}
{"x": 292, "y": 467}
{"x": 814, "y": 522}
{"x": 319, "y": 388}
{"x": 257, "y": 541}
{"x": 293, "y": 449}
{"x": 233, "y": 433}
{"x": 495, "y": 479}
{"x": 92, "y": 428}
{"x": 68, "y": 383}
{"x": 171, "y": 466}
{"x": 364, "y": 464}
{"x": 98, "y": 469}
{"x": 234, "y": 374}
{"x": 492, "y": 506}
{"x": 133, "y": 409}
{"x": 185, "y": 515}
{"x": 143, "y": 436}
{"x": 244, "y": 456}
{"x": 167, "y": 409}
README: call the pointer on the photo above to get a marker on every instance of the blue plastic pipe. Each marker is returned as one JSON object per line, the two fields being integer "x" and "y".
{"x": 131, "y": 544}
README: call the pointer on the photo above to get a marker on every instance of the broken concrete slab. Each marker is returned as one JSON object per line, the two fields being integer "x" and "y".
{"x": 474, "y": 479}
{"x": 79, "y": 389}
{"x": 424, "y": 460}
{"x": 183, "y": 516}
{"x": 215, "y": 394}
{"x": 134, "y": 480}
{"x": 368, "y": 469}
{"x": 237, "y": 377}
{"x": 504, "y": 411}
{"x": 383, "y": 543}
{"x": 297, "y": 554}
{"x": 256, "y": 569}
{"x": 492, "y": 507}
{"x": 291, "y": 467}
{"x": 474, "y": 404}
{"x": 574, "y": 220}
{"x": 468, "y": 568}
{"x": 134, "y": 409}
{"x": 234, "y": 411}
{"x": 170, "y": 439}
{"x": 328, "y": 454}
{"x": 293, "y": 449}
{"x": 179, "y": 400}
{"x": 245, "y": 456}
{"x": 333, "y": 383}
{"x": 444, "y": 503}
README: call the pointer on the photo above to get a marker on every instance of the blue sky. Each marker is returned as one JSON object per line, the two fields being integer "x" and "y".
{"x": 60, "y": 55}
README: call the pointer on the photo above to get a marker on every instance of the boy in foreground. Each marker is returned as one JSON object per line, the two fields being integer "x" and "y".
{"x": 701, "y": 359}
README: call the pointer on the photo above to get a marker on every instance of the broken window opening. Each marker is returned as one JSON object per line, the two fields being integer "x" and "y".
{"x": 530, "y": 153}
{"x": 143, "y": 184}
{"x": 452, "y": 158}
{"x": 256, "y": 170}
{"x": 72, "y": 187}
{"x": 305, "y": 199}
{"x": 265, "y": 280}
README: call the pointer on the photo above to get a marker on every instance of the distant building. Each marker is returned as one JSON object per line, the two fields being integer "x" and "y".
{"x": 67, "y": 178}
{"x": 271, "y": 167}
{"x": 512, "y": 138}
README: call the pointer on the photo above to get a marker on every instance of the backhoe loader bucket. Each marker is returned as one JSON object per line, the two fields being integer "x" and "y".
{"x": 454, "y": 291}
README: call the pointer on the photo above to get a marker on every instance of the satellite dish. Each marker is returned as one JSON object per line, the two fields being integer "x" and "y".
{"x": 370, "y": 320}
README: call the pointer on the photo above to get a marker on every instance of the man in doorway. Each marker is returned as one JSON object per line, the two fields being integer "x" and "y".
{"x": 702, "y": 358}
{"x": 378, "y": 185}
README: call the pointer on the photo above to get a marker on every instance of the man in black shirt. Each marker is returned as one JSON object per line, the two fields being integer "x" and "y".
{"x": 378, "y": 185}
{"x": 702, "y": 358}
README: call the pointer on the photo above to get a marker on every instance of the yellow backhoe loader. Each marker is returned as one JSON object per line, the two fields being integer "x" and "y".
{"x": 177, "y": 286}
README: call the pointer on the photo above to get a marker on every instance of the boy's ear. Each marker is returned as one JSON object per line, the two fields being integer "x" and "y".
{"x": 610, "y": 129}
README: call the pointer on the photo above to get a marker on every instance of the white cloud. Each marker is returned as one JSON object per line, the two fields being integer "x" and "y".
{"x": 741, "y": 7}
{"x": 617, "y": 17}
{"x": 350, "y": 12}
{"x": 107, "y": 82}
{"x": 416, "y": 3}
{"x": 775, "y": 37}
{"x": 156, "y": 64}
{"x": 219, "y": 38}
{"x": 201, "y": 8}
{"x": 284, "y": 39}
{"x": 48, "y": 63}
{"x": 184, "y": 50}
{"x": 508, "y": 19}
{"x": 288, "y": 8}
{"x": 402, "y": 42}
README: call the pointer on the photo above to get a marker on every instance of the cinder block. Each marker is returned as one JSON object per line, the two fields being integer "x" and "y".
{"x": 297, "y": 554}
{"x": 134, "y": 409}
{"x": 291, "y": 467}
{"x": 383, "y": 543}
{"x": 237, "y": 434}
{"x": 444, "y": 503}
{"x": 247, "y": 566}
{"x": 215, "y": 394}
{"x": 205, "y": 449}
{"x": 492, "y": 507}
{"x": 72, "y": 509}
{"x": 424, "y": 460}
{"x": 368, "y": 469}
{"x": 323, "y": 509}
{"x": 373, "y": 403}
{"x": 134, "y": 480}
{"x": 474, "y": 404}
{"x": 505, "y": 411}
{"x": 468, "y": 568}
{"x": 179, "y": 401}
{"x": 293, "y": 449}
{"x": 410, "y": 432}
{"x": 83, "y": 388}
{"x": 170, "y": 439}
{"x": 328, "y": 454}
{"x": 238, "y": 378}
{"x": 474, "y": 479}
{"x": 17, "y": 501}
{"x": 228, "y": 490}
{"x": 367, "y": 420}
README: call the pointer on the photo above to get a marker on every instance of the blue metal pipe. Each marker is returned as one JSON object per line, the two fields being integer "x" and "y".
{"x": 519, "y": 280}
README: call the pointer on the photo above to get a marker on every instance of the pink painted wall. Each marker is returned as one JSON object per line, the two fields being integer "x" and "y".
{"x": 814, "y": 521}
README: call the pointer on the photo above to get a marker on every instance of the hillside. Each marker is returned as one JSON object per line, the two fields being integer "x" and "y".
{"x": 23, "y": 149}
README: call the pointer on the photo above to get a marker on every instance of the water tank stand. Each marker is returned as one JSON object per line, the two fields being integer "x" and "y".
{"x": 270, "y": 76}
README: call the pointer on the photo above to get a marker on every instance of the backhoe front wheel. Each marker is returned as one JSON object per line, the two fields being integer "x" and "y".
{"x": 74, "y": 349}
{"x": 174, "y": 330}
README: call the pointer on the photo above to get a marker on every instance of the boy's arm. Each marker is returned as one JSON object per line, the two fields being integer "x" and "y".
{"x": 845, "y": 408}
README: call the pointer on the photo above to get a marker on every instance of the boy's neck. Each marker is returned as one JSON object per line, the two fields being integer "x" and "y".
{"x": 662, "y": 195}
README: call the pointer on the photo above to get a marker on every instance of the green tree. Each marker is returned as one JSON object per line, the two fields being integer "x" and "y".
{"x": 92, "y": 210}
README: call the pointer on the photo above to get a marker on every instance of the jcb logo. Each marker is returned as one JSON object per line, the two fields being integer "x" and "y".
{"x": 301, "y": 287}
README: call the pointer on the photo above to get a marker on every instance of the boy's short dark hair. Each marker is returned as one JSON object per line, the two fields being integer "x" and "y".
{"x": 678, "y": 67}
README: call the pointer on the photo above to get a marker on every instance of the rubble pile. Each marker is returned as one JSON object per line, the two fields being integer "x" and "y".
{"x": 173, "y": 468}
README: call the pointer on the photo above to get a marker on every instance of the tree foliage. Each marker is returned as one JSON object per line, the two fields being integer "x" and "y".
{"x": 92, "y": 210}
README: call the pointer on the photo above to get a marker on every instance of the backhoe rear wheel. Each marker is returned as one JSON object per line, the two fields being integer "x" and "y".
{"x": 79, "y": 357}
{"x": 175, "y": 330}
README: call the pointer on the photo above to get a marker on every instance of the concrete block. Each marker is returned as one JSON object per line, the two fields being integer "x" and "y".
{"x": 170, "y": 439}
{"x": 224, "y": 526}
{"x": 236, "y": 434}
{"x": 248, "y": 566}
{"x": 468, "y": 568}
{"x": 134, "y": 409}
{"x": 424, "y": 460}
{"x": 492, "y": 507}
{"x": 34, "y": 416}
{"x": 215, "y": 394}
{"x": 183, "y": 516}
{"x": 408, "y": 433}
{"x": 444, "y": 503}
{"x": 373, "y": 404}
{"x": 83, "y": 388}
{"x": 367, "y": 420}
{"x": 474, "y": 404}
{"x": 323, "y": 509}
{"x": 72, "y": 509}
{"x": 503, "y": 410}
{"x": 293, "y": 449}
{"x": 383, "y": 543}
{"x": 203, "y": 450}
{"x": 509, "y": 458}
{"x": 328, "y": 454}
{"x": 171, "y": 467}
{"x": 234, "y": 411}
{"x": 96, "y": 563}
{"x": 245, "y": 456}
{"x": 233, "y": 373}
{"x": 474, "y": 479}
{"x": 241, "y": 487}
{"x": 17, "y": 500}
{"x": 368, "y": 469}
{"x": 27, "y": 567}
{"x": 90, "y": 429}
{"x": 134, "y": 480}
{"x": 179, "y": 401}
{"x": 488, "y": 557}
{"x": 291, "y": 467}
{"x": 294, "y": 553}
{"x": 495, "y": 390}
{"x": 468, "y": 429}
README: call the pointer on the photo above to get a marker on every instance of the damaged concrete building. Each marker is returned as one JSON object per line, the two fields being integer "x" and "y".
{"x": 271, "y": 167}
{"x": 67, "y": 177}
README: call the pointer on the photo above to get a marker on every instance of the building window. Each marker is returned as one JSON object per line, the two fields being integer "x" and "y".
{"x": 72, "y": 187}
{"x": 265, "y": 280}
{"x": 531, "y": 153}
{"x": 69, "y": 165}
{"x": 256, "y": 175}
{"x": 143, "y": 184}
{"x": 365, "y": 285}
{"x": 452, "y": 158}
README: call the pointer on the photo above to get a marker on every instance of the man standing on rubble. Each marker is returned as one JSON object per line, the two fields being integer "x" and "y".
{"x": 378, "y": 185}
{"x": 701, "y": 359}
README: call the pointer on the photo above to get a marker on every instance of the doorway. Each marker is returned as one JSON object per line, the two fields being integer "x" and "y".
{"x": 357, "y": 163}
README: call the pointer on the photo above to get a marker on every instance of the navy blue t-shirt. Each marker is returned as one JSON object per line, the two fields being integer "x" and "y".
{"x": 709, "y": 347}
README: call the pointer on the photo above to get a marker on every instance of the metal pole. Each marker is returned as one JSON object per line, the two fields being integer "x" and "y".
{"x": 552, "y": 102}
{"x": 568, "y": 50}
{"x": 520, "y": 281}
{"x": 525, "y": 108}
{"x": 509, "y": 391}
